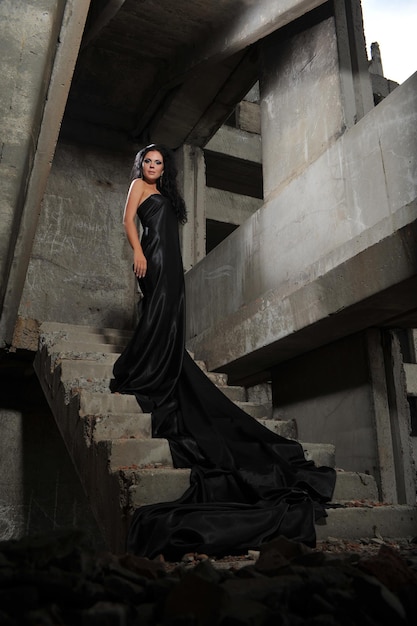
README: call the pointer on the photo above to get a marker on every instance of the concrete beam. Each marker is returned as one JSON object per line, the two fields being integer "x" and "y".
{"x": 237, "y": 143}
{"x": 232, "y": 208}
{"x": 256, "y": 19}
{"x": 185, "y": 118}
{"x": 191, "y": 176}
{"x": 188, "y": 73}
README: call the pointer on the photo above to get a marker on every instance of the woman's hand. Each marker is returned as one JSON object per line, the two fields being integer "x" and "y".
{"x": 139, "y": 263}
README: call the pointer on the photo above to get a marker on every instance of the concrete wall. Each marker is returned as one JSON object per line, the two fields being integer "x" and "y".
{"x": 80, "y": 268}
{"x": 39, "y": 46}
{"x": 39, "y": 489}
{"x": 268, "y": 280}
{"x": 301, "y": 102}
{"x": 329, "y": 393}
{"x": 28, "y": 34}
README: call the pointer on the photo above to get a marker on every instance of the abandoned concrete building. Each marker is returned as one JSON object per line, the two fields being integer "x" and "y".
{"x": 297, "y": 160}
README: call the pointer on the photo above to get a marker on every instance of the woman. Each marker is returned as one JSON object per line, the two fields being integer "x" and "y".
{"x": 150, "y": 365}
{"x": 247, "y": 484}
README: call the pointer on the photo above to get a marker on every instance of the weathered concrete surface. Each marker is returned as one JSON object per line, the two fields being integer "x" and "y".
{"x": 410, "y": 370}
{"x": 106, "y": 434}
{"x": 39, "y": 45}
{"x": 352, "y": 393}
{"x": 237, "y": 143}
{"x": 39, "y": 489}
{"x": 225, "y": 206}
{"x": 329, "y": 394}
{"x": 355, "y": 522}
{"x": 27, "y": 49}
{"x": 110, "y": 443}
{"x": 301, "y": 103}
{"x": 340, "y": 233}
{"x": 80, "y": 268}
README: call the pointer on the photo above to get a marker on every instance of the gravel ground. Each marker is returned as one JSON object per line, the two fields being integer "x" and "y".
{"x": 363, "y": 548}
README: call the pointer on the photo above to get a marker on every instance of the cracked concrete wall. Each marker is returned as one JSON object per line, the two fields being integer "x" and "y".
{"x": 28, "y": 35}
{"x": 80, "y": 267}
{"x": 329, "y": 393}
{"x": 40, "y": 46}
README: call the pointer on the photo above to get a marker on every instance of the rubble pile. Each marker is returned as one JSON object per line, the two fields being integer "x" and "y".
{"x": 57, "y": 580}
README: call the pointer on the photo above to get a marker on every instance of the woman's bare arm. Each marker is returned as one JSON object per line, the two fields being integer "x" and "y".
{"x": 134, "y": 199}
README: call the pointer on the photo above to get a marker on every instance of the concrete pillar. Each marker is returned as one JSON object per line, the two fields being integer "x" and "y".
{"x": 355, "y": 81}
{"x": 40, "y": 40}
{"x": 385, "y": 452}
{"x": 400, "y": 419}
{"x": 301, "y": 101}
{"x": 192, "y": 184}
{"x": 392, "y": 418}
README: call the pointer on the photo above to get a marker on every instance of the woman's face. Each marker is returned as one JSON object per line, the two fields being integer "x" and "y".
{"x": 152, "y": 166}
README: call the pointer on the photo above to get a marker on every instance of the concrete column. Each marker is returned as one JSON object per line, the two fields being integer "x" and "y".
{"x": 192, "y": 184}
{"x": 405, "y": 471}
{"x": 40, "y": 43}
{"x": 355, "y": 79}
{"x": 301, "y": 101}
{"x": 386, "y": 461}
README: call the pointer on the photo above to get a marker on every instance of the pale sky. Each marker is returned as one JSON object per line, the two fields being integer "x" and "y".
{"x": 393, "y": 24}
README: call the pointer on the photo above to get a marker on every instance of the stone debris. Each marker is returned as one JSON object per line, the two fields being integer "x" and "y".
{"x": 58, "y": 581}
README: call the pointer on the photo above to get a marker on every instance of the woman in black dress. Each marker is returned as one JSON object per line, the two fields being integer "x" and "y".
{"x": 247, "y": 484}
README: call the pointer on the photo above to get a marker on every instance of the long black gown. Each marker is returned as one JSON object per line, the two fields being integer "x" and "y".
{"x": 247, "y": 484}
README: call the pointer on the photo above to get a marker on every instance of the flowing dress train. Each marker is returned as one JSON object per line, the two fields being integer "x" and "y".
{"x": 247, "y": 483}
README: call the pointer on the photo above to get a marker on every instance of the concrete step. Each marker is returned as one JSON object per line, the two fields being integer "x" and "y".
{"x": 320, "y": 453}
{"x": 114, "y": 434}
{"x": 137, "y": 447}
{"x": 98, "y": 403}
{"x": 284, "y": 428}
{"x": 217, "y": 378}
{"x": 235, "y": 394}
{"x": 157, "y": 485}
{"x": 387, "y": 521}
{"x": 135, "y": 453}
{"x": 117, "y": 407}
{"x": 124, "y": 426}
{"x": 167, "y": 484}
{"x": 99, "y": 367}
{"x": 254, "y": 409}
{"x": 86, "y": 350}
{"x": 54, "y": 331}
{"x": 355, "y": 486}
{"x": 410, "y": 370}
{"x": 138, "y": 426}
{"x": 75, "y": 381}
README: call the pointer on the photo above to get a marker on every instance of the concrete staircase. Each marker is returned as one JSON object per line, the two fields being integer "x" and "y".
{"x": 121, "y": 467}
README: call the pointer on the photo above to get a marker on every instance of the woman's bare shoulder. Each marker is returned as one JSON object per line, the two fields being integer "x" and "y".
{"x": 137, "y": 184}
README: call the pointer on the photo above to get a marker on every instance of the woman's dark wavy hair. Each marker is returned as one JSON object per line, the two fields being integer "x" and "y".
{"x": 168, "y": 185}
